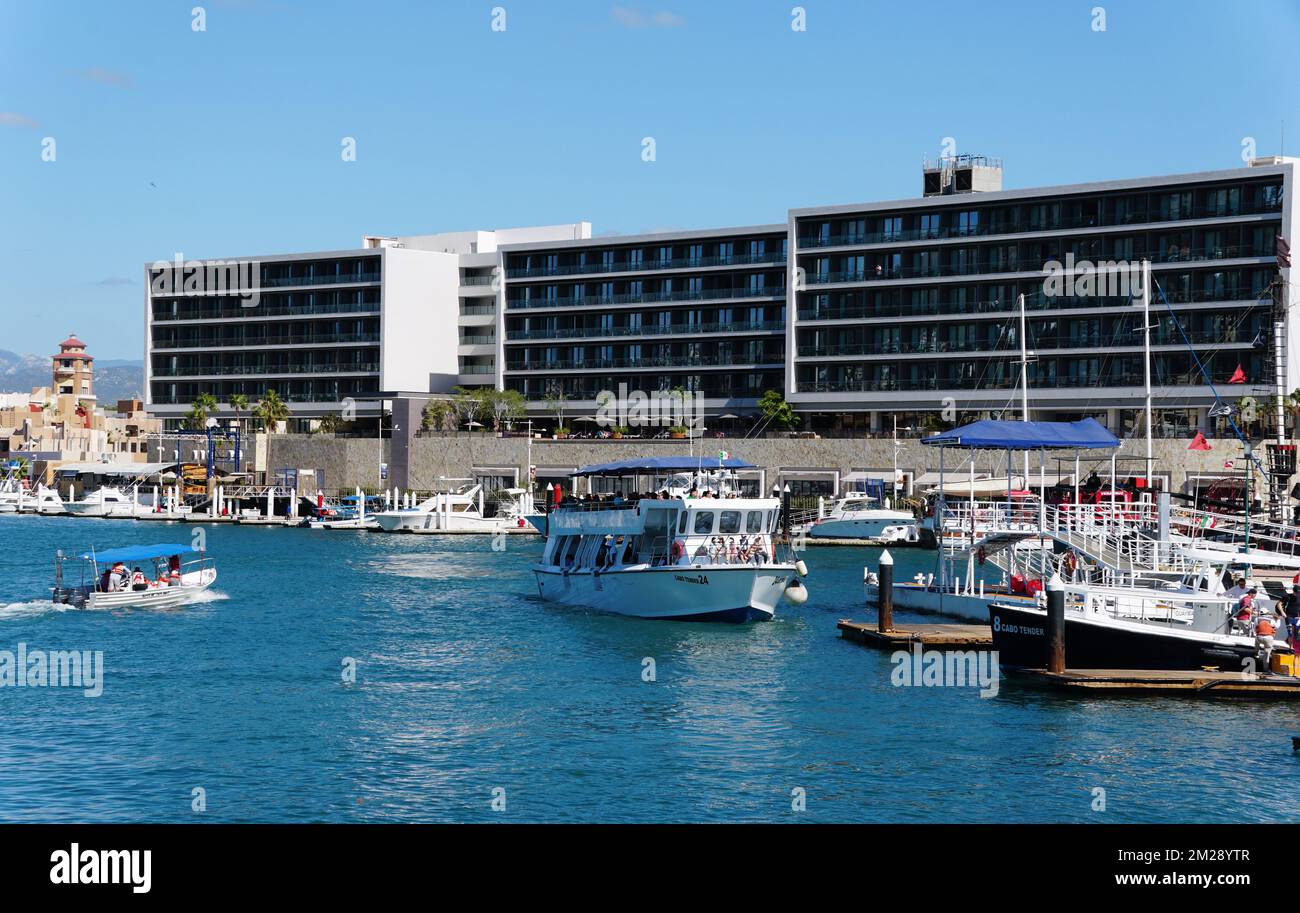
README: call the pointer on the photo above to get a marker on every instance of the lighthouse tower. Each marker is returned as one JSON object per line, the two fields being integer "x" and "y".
{"x": 74, "y": 371}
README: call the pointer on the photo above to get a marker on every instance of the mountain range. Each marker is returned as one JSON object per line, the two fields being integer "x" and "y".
{"x": 114, "y": 378}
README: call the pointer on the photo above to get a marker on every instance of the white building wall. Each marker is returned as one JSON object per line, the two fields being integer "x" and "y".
{"x": 418, "y": 314}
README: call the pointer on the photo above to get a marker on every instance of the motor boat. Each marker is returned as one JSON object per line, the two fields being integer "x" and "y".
{"x": 1132, "y": 628}
{"x": 176, "y": 577}
{"x": 460, "y": 511}
{"x": 865, "y": 514}
{"x": 109, "y": 501}
{"x": 694, "y": 550}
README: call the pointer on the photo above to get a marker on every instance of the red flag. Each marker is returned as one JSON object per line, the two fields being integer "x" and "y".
{"x": 1199, "y": 443}
{"x": 1238, "y": 376}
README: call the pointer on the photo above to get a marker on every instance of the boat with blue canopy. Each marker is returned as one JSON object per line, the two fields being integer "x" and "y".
{"x": 165, "y": 575}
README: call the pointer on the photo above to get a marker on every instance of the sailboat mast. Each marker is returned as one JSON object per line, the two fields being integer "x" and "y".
{"x": 1024, "y": 384}
{"x": 1146, "y": 358}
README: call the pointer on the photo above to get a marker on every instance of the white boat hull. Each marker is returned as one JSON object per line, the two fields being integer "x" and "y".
{"x": 682, "y": 592}
{"x": 432, "y": 522}
{"x": 870, "y": 525}
{"x": 157, "y": 597}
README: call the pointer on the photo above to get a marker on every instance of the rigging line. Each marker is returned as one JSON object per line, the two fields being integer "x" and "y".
{"x": 1205, "y": 374}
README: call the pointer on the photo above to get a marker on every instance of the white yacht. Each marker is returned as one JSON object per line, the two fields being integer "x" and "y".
{"x": 107, "y": 501}
{"x": 460, "y": 510}
{"x": 42, "y": 501}
{"x": 866, "y": 514}
{"x": 693, "y": 550}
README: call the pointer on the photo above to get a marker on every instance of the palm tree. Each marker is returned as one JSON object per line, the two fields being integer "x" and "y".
{"x": 272, "y": 410}
{"x": 203, "y": 405}
{"x": 238, "y": 403}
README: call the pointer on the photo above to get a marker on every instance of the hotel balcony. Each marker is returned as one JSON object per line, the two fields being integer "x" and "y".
{"x": 772, "y": 258}
{"x": 677, "y": 329}
{"x": 738, "y": 296}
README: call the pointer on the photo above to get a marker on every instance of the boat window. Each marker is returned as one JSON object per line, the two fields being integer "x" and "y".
{"x": 703, "y": 522}
{"x": 730, "y": 522}
{"x": 771, "y": 525}
{"x": 681, "y": 524}
{"x": 574, "y": 542}
{"x": 754, "y": 521}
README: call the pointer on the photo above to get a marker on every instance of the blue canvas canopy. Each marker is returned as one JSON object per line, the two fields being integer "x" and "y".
{"x": 139, "y": 553}
{"x": 1002, "y": 434}
{"x": 650, "y": 465}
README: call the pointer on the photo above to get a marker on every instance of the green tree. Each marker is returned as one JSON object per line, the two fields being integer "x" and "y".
{"x": 435, "y": 414}
{"x": 506, "y": 406}
{"x": 238, "y": 403}
{"x": 468, "y": 403}
{"x": 776, "y": 411}
{"x": 271, "y": 411}
{"x": 329, "y": 424}
{"x": 554, "y": 401}
{"x": 204, "y": 405}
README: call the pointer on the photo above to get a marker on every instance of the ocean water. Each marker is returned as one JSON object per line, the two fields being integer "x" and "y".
{"x": 471, "y": 690}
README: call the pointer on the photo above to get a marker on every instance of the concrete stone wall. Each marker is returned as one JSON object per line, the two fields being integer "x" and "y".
{"x": 347, "y": 462}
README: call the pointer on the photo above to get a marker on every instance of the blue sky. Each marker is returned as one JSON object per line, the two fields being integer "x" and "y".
{"x": 227, "y": 142}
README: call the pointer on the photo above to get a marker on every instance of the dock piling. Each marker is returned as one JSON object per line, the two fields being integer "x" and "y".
{"x": 1055, "y": 625}
{"x": 885, "y": 621}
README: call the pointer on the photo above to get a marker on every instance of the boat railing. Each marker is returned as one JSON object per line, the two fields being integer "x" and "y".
{"x": 1198, "y": 611}
{"x": 1235, "y": 530}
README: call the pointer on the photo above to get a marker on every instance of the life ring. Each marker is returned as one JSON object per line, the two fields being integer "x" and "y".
{"x": 980, "y": 555}
{"x": 679, "y": 549}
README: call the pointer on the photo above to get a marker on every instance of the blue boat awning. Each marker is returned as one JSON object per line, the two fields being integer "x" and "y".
{"x": 139, "y": 553}
{"x": 1001, "y": 434}
{"x": 661, "y": 464}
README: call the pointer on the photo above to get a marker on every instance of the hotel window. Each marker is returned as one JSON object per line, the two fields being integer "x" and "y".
{"x": 694, "y": 287}
{"x": 664, "y": 254}
{"x": 695, "y": 253}
{"x": 726, "y": 250}
{"x": 724, "y": 316}
{"x": 891, "y": 228}
{"x": 607, "y": 259}
{"x": 635, "y": 258}
{"x": 968, "y": 222}
{"x": 552, "y": 262}
{"x": 855, "y": 230}
{"x": 634, "y": 322}
{"x": 635, "y": 289}
{"x": 756, "y": 284}
{"x": 757, "y": 249}
{"x": 930, "y": 225}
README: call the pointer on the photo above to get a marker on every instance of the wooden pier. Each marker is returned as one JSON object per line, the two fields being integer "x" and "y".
{"x": 902, "y": 637}
{"x": 1164, "y": 682}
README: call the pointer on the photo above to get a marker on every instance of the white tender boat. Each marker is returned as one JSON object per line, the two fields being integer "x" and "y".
{"x": 106, "y": 578}
{"x": 461, "y": 510}
{"x": 693, "y": 551}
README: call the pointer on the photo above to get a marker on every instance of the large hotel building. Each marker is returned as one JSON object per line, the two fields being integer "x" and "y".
{"x": 860, "y": 315}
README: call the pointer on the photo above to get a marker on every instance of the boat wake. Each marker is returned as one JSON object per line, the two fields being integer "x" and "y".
{"x": 29, "y": 609}
{"x": 208, "y": 596}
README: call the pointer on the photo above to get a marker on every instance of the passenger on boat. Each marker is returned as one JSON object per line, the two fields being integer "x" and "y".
{"x": 117, "y": 578}
{"x": 164, "y": 580}
{"x": 138, "y": 580}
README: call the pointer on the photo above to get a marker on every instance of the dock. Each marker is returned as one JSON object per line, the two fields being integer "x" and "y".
{"x": 903, "y": 637}
{"x": 1164, "y": 682}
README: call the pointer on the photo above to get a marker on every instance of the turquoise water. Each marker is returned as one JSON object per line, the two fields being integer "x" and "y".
{"x": 467, "y": 686}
